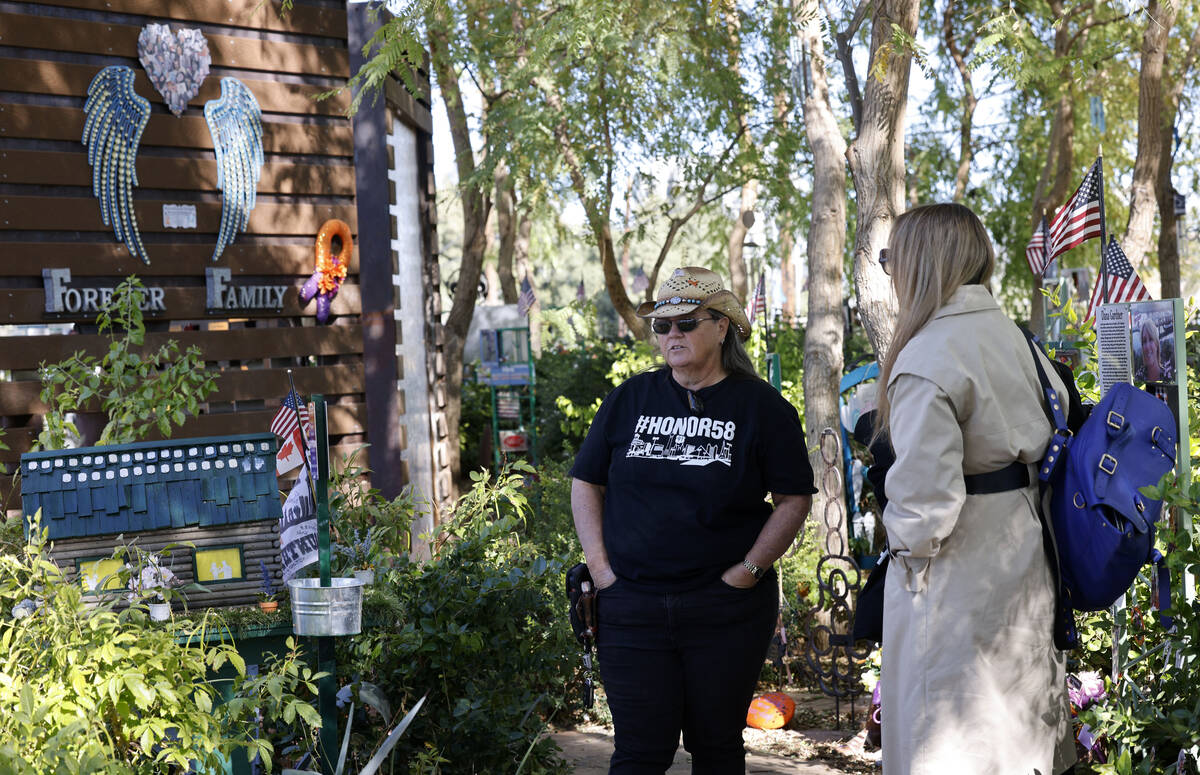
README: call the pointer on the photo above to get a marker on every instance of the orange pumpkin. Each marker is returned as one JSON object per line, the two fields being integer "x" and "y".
{"x": 771, "y": 711}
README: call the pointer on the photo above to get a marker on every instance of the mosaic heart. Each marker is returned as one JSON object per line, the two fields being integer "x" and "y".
{"x": 177, "y": 62}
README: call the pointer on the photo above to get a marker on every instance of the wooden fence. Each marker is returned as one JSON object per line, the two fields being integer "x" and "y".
{"x": 49, "y": 219}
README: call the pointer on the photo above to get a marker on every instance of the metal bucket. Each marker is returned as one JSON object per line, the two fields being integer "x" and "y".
{"x": 332, "y": 610}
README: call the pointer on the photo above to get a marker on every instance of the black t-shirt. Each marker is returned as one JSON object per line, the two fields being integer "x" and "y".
{"x": 685, "y": 490}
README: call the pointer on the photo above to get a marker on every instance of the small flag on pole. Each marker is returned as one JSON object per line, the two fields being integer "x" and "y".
{"x": 580, "y": 293}
{"x": 759, "y": 305}
{"x": 1035, "y": 251}
{"x": 527, "y": 297}
{"x": 1080, "y": 218}
{"x": 1123, "y": 281}
{"x": 285, "y": 419}
{"x": 640, "y": 281}
{"x": 291, "y": 451}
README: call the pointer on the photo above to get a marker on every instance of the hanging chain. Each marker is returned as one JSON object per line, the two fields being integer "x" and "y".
{"x": 830, "y": 652}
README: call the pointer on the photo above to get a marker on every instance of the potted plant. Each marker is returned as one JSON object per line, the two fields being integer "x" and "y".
{"x": 267, "y": 597}
{"x": 363, "y": 553}
{"x": 152, "y": 582}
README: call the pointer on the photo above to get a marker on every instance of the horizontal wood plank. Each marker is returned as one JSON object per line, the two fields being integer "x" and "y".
{"x": 41, "y": 122}
{"x": 272, "y": 384}
{"x": 22, "y": 353}
{"x": 251, "y": 14}
{"x": 17, "y": 398}
{"x": 38, "y": 213}
{"x": 344, "y": 419}
{"x": 22, "y": 397}
{"x": 32, "y": 76}
{"x": 249, "y": 257}
{"x": 57, "y": 168}
{"x": 91, "y": 37}
{"x": 20, "y": 305}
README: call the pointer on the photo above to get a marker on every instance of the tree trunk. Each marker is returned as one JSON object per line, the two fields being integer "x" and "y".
{"x": 1142, "y": 200}
{"x": 877, "y": 165}
{"x": 791, "y": 294}
{"x": 1168, "y": 234}
{"x": 1051, "y": 188}
{"x": 475, "y": 208}
{"x": 739, "y": 281}
{"x": 739, "y": 274}
{"x": 965, "y": 151}
{"x": 508, "y": 221}
{"x": 826, "y": 245}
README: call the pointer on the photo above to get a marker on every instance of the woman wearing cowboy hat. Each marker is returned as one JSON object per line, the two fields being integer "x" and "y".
{"x": 669, "y": 500}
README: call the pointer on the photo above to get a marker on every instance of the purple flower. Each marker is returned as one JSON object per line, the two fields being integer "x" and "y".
{"x": 1090, "y": 689}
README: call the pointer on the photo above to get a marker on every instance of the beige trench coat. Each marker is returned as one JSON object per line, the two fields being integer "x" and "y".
{"x": 971, "y": 680}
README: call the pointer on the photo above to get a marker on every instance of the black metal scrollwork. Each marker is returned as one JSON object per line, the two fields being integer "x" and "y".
{"x": 830, "y": 652}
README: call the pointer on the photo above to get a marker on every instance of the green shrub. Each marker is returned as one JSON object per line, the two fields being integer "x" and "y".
{"x": 96, "y": 689}
{"x": 382, "y": 527}
{"x": 481, "y": 629}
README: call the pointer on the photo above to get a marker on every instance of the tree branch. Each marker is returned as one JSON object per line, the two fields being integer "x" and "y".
{"x": 1094, "y": 23}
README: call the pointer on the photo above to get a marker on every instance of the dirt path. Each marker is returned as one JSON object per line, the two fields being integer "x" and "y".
{"x": 817, "y": 749}
{"x": 588, "y": 749}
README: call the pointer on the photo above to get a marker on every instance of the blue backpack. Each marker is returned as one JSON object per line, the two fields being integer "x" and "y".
{"x": 1102, "y": 527}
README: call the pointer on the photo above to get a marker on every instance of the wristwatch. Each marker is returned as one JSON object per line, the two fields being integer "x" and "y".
{"x": 755, "y": 571}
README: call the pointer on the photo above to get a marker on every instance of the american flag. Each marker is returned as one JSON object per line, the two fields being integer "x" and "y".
{"x": 1122, "y": 280}
{"x": 759, "y": 305}
{"x": 580, "y": 293}
{"x": 640, "y": 281}
{"x": 527, "y": 297}
{"x": 1035, "y": 251}
{"x": 284, "y": 423}
{"x": 1079, "y": 219}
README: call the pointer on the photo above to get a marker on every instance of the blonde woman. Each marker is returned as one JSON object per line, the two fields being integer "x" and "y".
{"x": 972, "y": 682}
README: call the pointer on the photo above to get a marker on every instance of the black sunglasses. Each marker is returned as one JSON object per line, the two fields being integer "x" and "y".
{"x": 660, "y": 326}
{"x": 883, "y": 261}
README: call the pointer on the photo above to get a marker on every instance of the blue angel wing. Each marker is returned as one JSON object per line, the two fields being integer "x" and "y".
{"x": 235, "y": 122}
{"x": 116, "y": 116}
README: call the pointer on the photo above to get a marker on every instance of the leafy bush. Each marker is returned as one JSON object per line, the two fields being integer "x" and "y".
{"x": 369, "y": 528}
{"x": 481, "y": 629}
{"x": 138, "y": 391}
{"x": 95, "y": 689}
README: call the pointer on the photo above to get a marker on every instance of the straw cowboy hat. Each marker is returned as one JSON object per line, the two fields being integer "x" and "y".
{"x": 690, "y": 288}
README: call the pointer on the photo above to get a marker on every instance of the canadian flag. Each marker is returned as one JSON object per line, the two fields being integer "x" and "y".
{"x": 291, "y": 453}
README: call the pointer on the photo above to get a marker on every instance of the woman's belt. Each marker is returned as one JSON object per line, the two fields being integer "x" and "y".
{"x": 1011, "y": 477}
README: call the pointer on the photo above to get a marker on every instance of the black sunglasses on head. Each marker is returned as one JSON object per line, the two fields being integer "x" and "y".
{"x": 660, "y": 326}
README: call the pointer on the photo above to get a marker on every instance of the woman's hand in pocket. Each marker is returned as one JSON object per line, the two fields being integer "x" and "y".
{"x": 603, "y": 579}
{"x": 738, "y": 577}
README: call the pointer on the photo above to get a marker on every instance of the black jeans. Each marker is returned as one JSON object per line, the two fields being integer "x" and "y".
{"x": 685, "y": 661}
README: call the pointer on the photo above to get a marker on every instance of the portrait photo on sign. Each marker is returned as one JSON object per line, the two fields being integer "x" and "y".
{"x": 1152, "y": 334}
{"x": 1152, "y": 345}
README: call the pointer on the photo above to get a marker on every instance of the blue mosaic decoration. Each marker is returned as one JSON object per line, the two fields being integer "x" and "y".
{"x": 129, "y": 488}
{"x": 235, "y": 122}
{"x": 116, "y": 116}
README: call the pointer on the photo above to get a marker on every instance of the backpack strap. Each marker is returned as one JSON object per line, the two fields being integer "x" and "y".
{"x": 1066, "y": 637}
{"x": 1054, "y": 413}
{"x": 1160, "y": 589}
